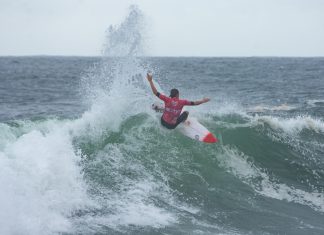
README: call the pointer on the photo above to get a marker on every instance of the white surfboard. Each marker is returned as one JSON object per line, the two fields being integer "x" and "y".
{"x": 191, "y": 127}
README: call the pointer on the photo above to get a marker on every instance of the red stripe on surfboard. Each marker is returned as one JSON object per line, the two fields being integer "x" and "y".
{"x": 210, "y": 138}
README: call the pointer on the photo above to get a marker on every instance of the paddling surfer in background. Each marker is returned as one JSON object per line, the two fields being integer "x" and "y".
{"x": 172, "y": 115}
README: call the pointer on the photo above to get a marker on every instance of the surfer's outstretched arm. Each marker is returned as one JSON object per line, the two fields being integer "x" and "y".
{"x": 198, "y": 102}
{"x": 150, "y": 79}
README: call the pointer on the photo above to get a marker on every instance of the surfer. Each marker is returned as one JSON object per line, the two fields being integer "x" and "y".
{"x": 172, "y": 115}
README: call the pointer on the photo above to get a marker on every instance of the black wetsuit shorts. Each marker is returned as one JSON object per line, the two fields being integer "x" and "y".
{"x": 180, "y": 119}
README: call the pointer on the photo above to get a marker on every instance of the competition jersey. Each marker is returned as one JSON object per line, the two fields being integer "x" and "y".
{"x": 172, "y": 107}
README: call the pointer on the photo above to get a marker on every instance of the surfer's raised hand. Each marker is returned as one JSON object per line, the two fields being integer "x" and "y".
{"x": 205, "y": 100}
{"x": 149, "y": 77}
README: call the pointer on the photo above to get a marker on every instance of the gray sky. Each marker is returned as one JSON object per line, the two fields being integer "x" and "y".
{"x": 174, "y": 27}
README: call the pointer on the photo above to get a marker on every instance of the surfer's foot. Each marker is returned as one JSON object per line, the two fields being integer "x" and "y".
{"x": 187, "y": 123}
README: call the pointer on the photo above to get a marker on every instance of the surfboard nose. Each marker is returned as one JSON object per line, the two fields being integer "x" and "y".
{"x": 210, "y": 138}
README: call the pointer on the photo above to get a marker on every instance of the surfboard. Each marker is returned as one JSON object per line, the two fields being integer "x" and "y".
{"x": 191, "y": 127}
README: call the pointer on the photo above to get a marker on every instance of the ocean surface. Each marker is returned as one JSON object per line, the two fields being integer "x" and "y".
{"x": 82, "y": 152}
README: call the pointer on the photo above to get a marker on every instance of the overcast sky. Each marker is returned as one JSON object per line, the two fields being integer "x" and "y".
{"x": 174, "y": 27}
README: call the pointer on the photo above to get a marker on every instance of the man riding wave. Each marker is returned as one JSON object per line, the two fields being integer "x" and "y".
{"x": 172, "y": 115}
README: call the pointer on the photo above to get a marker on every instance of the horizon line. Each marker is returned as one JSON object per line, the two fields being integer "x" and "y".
{"x": 170, "y": 56}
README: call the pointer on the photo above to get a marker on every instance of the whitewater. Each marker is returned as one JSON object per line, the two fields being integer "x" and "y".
{"x": 81, "y": 151}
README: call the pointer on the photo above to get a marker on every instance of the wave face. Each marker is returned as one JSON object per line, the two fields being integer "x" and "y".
{"x": 85, "y": 154}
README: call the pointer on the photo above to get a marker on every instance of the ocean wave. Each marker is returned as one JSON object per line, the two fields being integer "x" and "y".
{"x": 239, "y": 164}
{"x": 264, "y": 108}
{"x": 41, "y": 183}
{"x": 45, "y": 160}
{"x": 46, "y": 176}
{"x": 233, "y": 116}
{"x": 293, "y": 125}
{"x": 314, "y": 103}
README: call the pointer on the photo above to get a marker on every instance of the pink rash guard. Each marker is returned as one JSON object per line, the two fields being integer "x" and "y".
{"x": 173, "y": 107}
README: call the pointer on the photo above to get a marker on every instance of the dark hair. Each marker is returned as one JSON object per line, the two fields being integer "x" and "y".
{"x": 174, "y": 92}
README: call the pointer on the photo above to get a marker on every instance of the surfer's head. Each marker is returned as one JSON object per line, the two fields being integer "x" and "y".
{"x": 174, "y": 93}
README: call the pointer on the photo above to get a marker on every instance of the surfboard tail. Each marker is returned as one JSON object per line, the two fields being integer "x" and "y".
{"x": 210, "y": 138}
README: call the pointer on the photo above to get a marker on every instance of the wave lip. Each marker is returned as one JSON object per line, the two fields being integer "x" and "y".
{"x": 292, "y": 125}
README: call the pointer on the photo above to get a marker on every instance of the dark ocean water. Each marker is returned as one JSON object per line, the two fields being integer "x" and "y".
{"x": 81, "y": 151}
